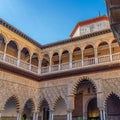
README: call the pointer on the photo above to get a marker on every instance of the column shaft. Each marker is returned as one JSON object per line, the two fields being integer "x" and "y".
{"x": 70, "y": 61}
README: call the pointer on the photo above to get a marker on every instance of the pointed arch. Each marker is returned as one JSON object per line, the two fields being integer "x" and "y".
{"x": 108, "y": 96}
{"x": 42, "y": 101}
{"x": 57, "y": 100}
{"x": 30, "y": 102}
{"x": 16, "y": 101}
{"x": 113, "y": 107}
{"x": 74, "y": 87}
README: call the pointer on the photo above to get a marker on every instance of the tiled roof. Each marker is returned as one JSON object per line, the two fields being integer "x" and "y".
{"x": 86, "y": 22}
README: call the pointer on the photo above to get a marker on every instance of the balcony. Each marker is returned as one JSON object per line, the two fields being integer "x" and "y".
{"x": 105, "y": 59}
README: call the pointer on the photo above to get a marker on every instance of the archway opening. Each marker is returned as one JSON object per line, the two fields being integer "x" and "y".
{"x": 92, "y": 110}
{"x": 76, "y": 58}
{"x": 88, "y": 55}
{"x": 113, "y": 107}
{"x": 10, "y": 109}
{"x": 84, "y": 91}
{"x": 44, "y": 111}
{"x": 60, "y": 112}
{"x": 35, "y": 60}
{"x": 28, "y": 110}
{"x": 25, "y": 55}
{"x": 55, "y": 62}
{"x": 103, "y": 52}
{"x": 12, "y": 49}
{"x": 55, "y": 59}
{"x": 65, "y": 57}
{"x": 2, "y": 43}
{"x": 45, "y": 61}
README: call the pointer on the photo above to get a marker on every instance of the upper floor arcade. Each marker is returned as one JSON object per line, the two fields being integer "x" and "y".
{"x": 93, "y": 51}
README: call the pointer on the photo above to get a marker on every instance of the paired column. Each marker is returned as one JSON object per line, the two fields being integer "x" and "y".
{"x": 51, "y": 116}
{"x": 69, "y": 115}
{"x": 102, "y": 114}
{"x": 35, "y": 115}
{"x": 19, "y": 116}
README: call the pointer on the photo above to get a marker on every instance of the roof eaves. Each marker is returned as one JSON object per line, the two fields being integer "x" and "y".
{"x": 18, "y": 32}
{"x": 76, "y": 38}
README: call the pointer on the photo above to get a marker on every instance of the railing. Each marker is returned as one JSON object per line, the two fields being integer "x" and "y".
{"x": 24, "y": 65}
{"x": 64, "y": 66}
{"x": 11, "y": 60}
{"x": 55, "y": 67}
{"x": 116, "y": 56}
{"x": 88, "y": 61}
{"x": 103, "y": 59}
{"x": 76, "y": 64}
{"x": 45, "y": 69}
{"x": 1, "y": 55}
{"x": 34, "y": 68}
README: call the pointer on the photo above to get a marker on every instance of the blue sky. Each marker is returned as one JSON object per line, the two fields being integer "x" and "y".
{"x": 48, "y": 21}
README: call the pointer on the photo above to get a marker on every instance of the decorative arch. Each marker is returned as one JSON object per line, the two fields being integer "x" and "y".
{"x": 112, "y": 107}
{"x": 31, "y": 101}
{"x": 40, "y": 103}
{"x": 17, "y": 102}
{"x": 108, "y": 96}
{"x": 74, "y": 87}
{"x": 57, "y": 100}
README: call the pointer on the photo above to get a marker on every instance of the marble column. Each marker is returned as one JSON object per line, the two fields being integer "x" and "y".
{"x": 69, "y": 115}
{"x": 70, "y": 60}
{"x": 51, "y": 115}
{"x": 34, "y": 115}
{"x": 18, "y": 58}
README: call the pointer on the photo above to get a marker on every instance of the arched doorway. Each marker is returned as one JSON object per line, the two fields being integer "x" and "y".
{"x": 84, "y": 92}
{"x": 113, "y": 107}
{"x": 44, "y": 111}
{"x": 60, "y": 112}
{"x": 92, "y": 110}
{"x": 10, "y": 109}
{"x": 28, "y": 110}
